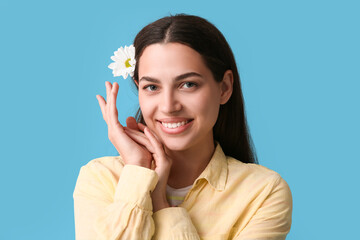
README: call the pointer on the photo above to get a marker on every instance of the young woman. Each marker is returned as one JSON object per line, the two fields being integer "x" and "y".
{"x": 187, "y": 169}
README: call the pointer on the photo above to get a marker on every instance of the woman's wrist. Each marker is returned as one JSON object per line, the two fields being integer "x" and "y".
{"x": 159, "y": 202}
{"x": 159, "y": 206}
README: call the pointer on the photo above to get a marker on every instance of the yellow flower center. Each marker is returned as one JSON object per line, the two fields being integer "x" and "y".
{"x": 127, "y": 64}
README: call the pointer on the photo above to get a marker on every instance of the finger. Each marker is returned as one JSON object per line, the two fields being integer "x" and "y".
{"x": 153, "y": 165}
{"x": 131, "y": 123}
{"x": 113, "y": 110}
{"x": 102, "y": 105}
{"x": 108, "y": 90}
{"x": 162, "y": 162}
{"x": 115, "y": 129}
{"x": 108, "y": 95}
{"x": 159, "y": 150}
{"x": 141, "y": 127}
{"x": 140, "y": 138}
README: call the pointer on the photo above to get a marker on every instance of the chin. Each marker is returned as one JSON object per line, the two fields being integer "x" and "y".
{"x": 176, "y": 144}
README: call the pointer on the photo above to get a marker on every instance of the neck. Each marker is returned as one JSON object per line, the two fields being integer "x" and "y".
{"x": 188, "y": 164}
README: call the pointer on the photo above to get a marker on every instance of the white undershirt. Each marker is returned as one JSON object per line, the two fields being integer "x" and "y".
{"x": 176, "y": 196}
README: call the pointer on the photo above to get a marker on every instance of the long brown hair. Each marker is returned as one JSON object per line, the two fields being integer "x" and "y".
{"x": 231, "y": 129}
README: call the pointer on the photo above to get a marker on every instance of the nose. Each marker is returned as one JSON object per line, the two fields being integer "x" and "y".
{"x": 170, "y": 102}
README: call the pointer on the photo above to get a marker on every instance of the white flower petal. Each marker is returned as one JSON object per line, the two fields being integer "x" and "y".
{"x": 121, "y": 56}
{"x": 111, "y": 65}
{"x": 114, "y": 58}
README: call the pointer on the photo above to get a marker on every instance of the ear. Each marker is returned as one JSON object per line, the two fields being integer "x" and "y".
{"x": 226, "y": 86}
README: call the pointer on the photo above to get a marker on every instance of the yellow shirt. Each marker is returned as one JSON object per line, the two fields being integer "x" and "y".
{"x": 229, "y": 200}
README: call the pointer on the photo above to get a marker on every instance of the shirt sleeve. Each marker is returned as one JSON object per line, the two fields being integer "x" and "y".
{"x": 174, "y": 223}
{"x": 272, "y": 221}
{"x": 102, "y": 212}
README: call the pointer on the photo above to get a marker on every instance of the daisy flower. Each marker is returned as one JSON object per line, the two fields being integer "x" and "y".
{"x": 124, "y": 62}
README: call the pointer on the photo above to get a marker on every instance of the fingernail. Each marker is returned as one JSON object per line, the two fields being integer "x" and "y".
{"x": 148, "y": 130}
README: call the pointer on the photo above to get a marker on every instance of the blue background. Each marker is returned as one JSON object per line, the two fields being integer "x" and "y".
{"x": 299, "y": 66}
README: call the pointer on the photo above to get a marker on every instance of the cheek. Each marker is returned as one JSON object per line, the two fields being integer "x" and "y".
{"x": 146, "y": 109}
{"x": 208, "y": 106}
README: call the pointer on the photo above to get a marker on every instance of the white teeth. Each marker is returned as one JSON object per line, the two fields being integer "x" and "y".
{"x": 174, "y": 125}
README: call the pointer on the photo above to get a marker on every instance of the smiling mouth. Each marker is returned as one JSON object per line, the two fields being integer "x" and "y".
{"x": 172, "y": 125}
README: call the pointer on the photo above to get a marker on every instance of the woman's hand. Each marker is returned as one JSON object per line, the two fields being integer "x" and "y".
{"x": 162, "y": 163}
{"x": 130, "y": 151}
{"x": 136, "y": 144}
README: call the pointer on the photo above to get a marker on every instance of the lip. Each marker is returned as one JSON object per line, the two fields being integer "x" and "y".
{"x": 177, "y": 130}
{"x": 174, "y": 120}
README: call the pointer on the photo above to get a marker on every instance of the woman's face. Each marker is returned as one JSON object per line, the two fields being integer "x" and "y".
{"x": 178, "y": 96}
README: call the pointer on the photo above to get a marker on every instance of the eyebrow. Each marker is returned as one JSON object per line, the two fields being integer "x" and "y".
{"x": 178, "y": 78}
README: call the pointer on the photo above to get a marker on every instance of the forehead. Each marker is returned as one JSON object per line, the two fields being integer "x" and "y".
{"x": 170, "y": 59}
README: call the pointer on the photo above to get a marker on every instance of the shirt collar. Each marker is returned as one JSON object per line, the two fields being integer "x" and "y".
{"x": 217, "y": 170}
